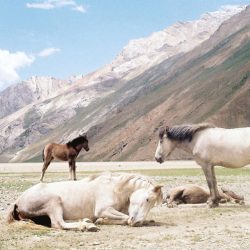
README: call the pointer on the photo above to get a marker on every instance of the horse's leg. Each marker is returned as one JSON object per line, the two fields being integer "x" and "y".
{"x": 55, "y": 213}
{"x": 70, "y": 169}
{"x": 174, "y": 196}
{"x": 111, "y": 216}
{"x": 208, "y": 170}
{"x": 74, "y": 169}
{"x": 46, "y": 163}
{"x": 225, "y": 198}
{"x": 217, "y": 196}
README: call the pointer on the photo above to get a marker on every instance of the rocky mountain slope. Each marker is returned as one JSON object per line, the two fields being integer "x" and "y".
{"x": 178, "y": 38}
{"x": 34, "y": 89}
{"x": 152, "y": 81}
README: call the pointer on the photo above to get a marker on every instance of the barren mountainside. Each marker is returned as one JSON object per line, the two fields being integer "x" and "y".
{"x": 186, "y": 79}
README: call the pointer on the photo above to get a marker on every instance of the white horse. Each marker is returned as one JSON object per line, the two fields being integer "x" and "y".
{"x": 114, "y": 198}
{"x": 210, "y": 146}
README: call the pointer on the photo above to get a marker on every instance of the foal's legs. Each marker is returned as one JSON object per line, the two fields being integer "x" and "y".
{"x": 208, "y": 170}
{"x": 72, "y": 169}
{"x": 46, "y": 163}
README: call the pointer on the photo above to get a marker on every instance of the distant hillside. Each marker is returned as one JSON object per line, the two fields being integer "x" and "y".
{"x": 122, "y": 106}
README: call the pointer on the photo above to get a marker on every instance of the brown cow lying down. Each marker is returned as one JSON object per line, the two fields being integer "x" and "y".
{"x": 194, "y": 194}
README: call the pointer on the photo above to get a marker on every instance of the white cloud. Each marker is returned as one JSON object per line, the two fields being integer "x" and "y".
{"x": 232, "y": 7}
{"x": 79, "y": 8}
{"x": 44, "y": 6}
{"x": 53, "y": 4}
{"x": 48, "y": 52}
{"x": 10, "y": 63}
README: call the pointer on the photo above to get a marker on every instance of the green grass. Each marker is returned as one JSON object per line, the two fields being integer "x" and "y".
{"x": 149, "y": 172}
{"x": 21, "y": 181}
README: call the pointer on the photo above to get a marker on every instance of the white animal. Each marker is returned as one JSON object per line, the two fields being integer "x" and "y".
{"x": 210, "y": 146}
{"x": 115, "y": 198}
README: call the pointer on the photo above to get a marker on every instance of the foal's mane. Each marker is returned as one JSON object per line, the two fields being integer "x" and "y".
{"x": 186, "y": 132}
{"x": 75, "y": 142}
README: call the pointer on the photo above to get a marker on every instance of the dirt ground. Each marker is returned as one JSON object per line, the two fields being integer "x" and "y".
{"x": 183, "y": 227}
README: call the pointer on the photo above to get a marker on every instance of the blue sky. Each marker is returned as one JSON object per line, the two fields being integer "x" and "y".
{"x": 61, "y": 38}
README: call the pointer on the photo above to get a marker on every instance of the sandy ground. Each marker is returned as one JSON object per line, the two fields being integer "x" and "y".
{"x": 96, "y": 166}
{"x": 183, "y": 227}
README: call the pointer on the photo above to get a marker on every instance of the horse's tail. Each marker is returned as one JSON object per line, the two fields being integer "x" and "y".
{"x": 43, "y": 154}
{"x": 12, "y": 213}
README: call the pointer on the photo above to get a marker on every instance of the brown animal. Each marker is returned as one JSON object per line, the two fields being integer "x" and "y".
{"x": 194, "y": 194}
{"x": 65, "y": 152}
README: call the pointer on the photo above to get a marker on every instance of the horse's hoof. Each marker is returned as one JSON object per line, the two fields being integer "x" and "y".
{"x": 172, "y": 205}
{"x": 92, "y": 228}
{"x": 82, "y": 227}
{"x": 242, "y": 202}
{"x": 223, "y": 201}
{"x": 213, "y": 204}
{"x": 87, "y": 225}
{"x": 99, "y": 221}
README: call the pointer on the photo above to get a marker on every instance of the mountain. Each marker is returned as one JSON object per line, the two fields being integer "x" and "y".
{"x": 178, "y": 38}
{"x": 34, "y": 89}
{"x": 182, "y": 74}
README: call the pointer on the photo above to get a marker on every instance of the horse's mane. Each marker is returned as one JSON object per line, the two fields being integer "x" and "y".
{"x": 186, "y": 132}
{"x": 124, "y": 179}
{"x": 75, "y": 142}
{"x": 134, "y": 180}
{"x": 124, "y": 184}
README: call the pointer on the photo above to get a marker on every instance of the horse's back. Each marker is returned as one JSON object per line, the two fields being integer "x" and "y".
{"x": 224, "y": 147}
{"x": 31, "y": 196}
{"x": 194, "y": 194}
{"x": 55, "y": 150}
{"x": 73, "y": 195}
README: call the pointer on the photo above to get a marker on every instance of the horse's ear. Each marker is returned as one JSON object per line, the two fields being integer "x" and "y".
{"x": 161, "y": 133}
{"x": 167, "y": 129}
{"x": 84, "y": 135}
{"x": 157, "y": 189}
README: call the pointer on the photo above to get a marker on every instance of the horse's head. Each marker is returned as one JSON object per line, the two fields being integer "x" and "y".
{"x": 165, "y": 145}
{"x": 84, "y": 141}
{"x": 141, "y": 201}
